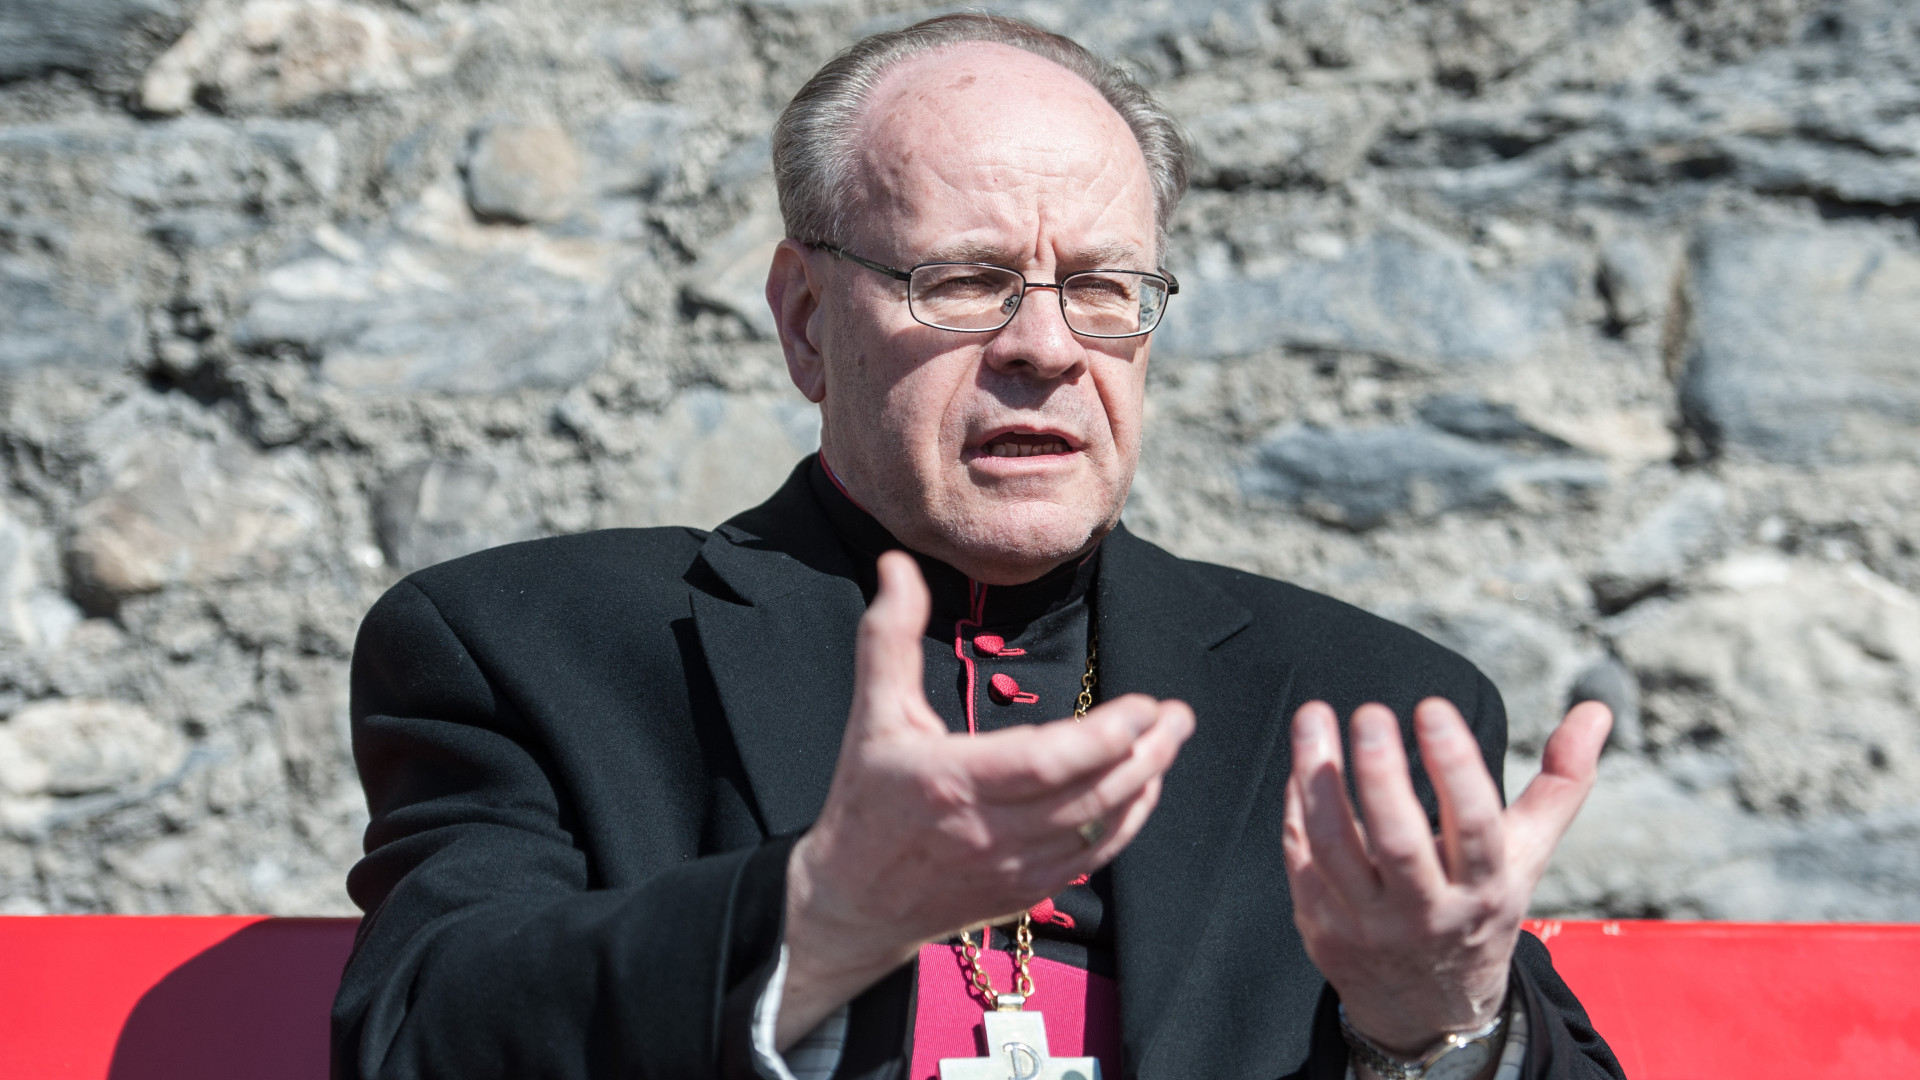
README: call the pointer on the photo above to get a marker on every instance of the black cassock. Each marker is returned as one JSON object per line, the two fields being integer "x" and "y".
{"x": 586, "y": 759}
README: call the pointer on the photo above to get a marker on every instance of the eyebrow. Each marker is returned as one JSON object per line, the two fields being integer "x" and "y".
{"x": 1113, "y": 255}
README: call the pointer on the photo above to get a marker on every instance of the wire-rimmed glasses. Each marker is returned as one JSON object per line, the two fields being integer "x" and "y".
{"x": 978, "y": 298}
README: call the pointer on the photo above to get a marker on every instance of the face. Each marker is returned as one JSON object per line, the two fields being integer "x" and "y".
{"x": 1004, "y": 453}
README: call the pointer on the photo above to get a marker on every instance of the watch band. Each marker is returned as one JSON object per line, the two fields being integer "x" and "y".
{"x": 1388, "y": 1067}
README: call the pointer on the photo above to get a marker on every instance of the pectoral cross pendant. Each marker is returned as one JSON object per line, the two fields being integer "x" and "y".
{"x": 1017, "y": 1050}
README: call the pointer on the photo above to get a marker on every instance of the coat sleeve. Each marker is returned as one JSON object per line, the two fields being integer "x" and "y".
{"x": 1562, "y": 1043}
{"x": 487, "y": 949}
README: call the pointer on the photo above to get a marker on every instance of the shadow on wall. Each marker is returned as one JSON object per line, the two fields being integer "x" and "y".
{"x": 255, "y": 1005}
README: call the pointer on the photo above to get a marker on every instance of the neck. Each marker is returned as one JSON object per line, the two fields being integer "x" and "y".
{"x": 956, "y": 590}
{"x": 1001, "y": 568}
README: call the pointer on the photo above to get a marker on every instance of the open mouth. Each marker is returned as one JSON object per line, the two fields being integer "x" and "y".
{"x": 1017, "y": 444}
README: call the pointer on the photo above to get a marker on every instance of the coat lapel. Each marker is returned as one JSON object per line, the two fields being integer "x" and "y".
{"x": 1165, "y": 631}
{"x": 778, "y": 633}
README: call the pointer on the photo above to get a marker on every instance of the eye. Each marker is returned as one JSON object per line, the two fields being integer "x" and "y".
{"x": 1104, "y": 290}
{"x": 961, "y": 282}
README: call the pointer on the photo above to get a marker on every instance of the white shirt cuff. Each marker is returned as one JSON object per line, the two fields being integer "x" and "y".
{"x": 815, "y": 1056}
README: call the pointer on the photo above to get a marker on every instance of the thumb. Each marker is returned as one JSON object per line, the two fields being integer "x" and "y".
{"x": 889, "y": 668}
{"x": 1542, "y": 813}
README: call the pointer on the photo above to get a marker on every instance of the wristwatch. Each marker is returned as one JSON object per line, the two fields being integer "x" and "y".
{"x": 1459, "y": 1056}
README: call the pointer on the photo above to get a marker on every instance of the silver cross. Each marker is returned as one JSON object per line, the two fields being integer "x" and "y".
{"x": 1017, "y": 1050}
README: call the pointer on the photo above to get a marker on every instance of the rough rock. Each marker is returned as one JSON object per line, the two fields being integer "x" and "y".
{"x": 1809, "y": 674}
{"x": 732, "y": 274}
{"x": 522, "y": 171}
{"x": 1472, "y": 416}
{"x": 203, "y": 186}
{"x": 180, "y": 509}
{"x": 34, "y": 614}
{"x": 1609, "y": 682}
{"x": 709, "y": 456}
{"x": 1363, "y": 478}
{"x": 674, "y": 48}
{"x": 84, "y": 198}
{"x": 635, "y": 150}
{"x": 1413, "y": 299}
{"x": 269, "y": 54}
{"x": 1853, "y": 142}
{"x": 432, "y": 511}
{"x": 1636, "y": 281}
{"x": 1160, "y": 38}
{"x": 1658, "y": 549}
{"x": 37, "y": 36}
{"x": 1533, "y": 662}
{"x": 190, "y": 182}
{"x": 1673, "y": 842}
{"x": 1300, "y": 138}
{"x": 53, "y": 752}
{"x": 442, "y": 305}
{"x": 52, "y": 317}
{"x": 1764, "y": 301}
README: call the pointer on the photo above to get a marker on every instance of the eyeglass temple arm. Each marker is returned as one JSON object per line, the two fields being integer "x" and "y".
{"x": 838, "y": 253}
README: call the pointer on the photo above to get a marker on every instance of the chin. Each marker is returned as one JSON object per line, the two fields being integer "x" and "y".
{"x": 1011, "y": 543}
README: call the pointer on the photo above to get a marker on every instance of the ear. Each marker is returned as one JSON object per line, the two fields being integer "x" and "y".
{"x": 795, "y": 294}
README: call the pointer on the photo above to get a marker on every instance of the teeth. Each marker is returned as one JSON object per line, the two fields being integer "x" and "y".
{"x": 1013, "y": 449}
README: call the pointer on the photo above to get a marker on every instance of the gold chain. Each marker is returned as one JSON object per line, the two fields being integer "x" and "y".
{"x": 1022, "y": 954}
{"x": 1023, "y": 933}
{"x": 1090, "y": 676}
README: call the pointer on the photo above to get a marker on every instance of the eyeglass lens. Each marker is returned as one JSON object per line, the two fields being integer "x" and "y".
{"x": 972, "y": 296}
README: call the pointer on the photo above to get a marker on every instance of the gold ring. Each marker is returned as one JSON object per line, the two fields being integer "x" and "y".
{"x": 1092, "y": 832}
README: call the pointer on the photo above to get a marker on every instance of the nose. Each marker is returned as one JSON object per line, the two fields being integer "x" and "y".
{"x": 1037, "y": 340}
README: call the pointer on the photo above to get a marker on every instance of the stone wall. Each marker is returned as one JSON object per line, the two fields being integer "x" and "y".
{"x": 1582, "y": 334}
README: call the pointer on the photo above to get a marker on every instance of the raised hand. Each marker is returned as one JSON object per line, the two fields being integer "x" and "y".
{"x": 1415, "y": 931}
{"x": 925, "y": 833}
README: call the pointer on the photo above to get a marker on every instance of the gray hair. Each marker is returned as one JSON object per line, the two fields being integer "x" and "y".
{"x": 813, "y": 142}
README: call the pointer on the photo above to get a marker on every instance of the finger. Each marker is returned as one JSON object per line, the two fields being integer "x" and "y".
{"x": 1046, "y": 831}
{"x": 1062, "y": 854}
{"x": 1101, "y": 795}
{"x": 1398, "y": 834}
{"x": 1294, "y": 847}
{"x": 1129, "y": 819}
{"x": 1025, "y": 763}
{"x": 1539, "y": 818}
{"x": 1304, "y": 881}
{"x": 889, "y": 664}
{"x": 1056, "y": 854}
{"x": 1332, "y": 834}
{"x": 1472, "y": 830}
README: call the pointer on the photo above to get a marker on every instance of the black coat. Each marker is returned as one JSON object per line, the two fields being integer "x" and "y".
{"x": 586, "y": 759}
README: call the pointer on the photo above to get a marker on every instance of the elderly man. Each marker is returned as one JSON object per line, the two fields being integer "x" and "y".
{"x": 664, "y": 803}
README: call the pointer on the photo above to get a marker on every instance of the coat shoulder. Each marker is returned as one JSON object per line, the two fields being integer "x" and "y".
{"x": 634, "y": 568}
{"x": 1328, "y": 638}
